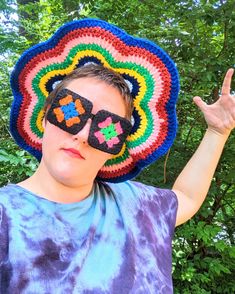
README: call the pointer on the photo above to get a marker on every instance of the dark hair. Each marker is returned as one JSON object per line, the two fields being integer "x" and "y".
{"x": 101, "y": 73}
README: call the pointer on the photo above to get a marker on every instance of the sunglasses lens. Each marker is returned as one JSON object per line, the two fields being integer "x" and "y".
{"x": 108, "y": 132}
{"x": 69, "y": 111}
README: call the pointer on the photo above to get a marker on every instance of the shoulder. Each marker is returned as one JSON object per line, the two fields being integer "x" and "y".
{"x": 136, "y": 192}
{"x": 142, "y": 191}
{"x": 10, "y": 197}
{"x": 4, "y": 192}
{"x": 8, "y": 191}
{"x": 4, "y": 226}
{"x": 4, "y": 205}
{"x": 147, "y": 204}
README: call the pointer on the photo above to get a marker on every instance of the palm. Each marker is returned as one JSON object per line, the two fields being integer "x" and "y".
{"x": 220, "y": 116}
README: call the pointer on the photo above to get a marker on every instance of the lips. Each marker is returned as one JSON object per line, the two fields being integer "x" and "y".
{"x": 73, "y": 153}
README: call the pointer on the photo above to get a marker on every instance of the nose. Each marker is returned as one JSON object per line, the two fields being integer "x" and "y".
{"x": 82, "y": 135}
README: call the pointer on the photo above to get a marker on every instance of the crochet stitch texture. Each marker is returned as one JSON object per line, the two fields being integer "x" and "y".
{"x": 148, "y": 70}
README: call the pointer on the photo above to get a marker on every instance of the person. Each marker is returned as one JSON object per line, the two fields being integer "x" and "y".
{"x": 64, "y": 230}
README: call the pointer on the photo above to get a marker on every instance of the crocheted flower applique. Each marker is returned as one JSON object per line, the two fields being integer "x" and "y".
{"x": 69, "y": 111}
{"x": 109, "y": 132}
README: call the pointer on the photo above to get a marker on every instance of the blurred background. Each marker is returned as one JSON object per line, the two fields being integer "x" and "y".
{"x": 200, "y": 37}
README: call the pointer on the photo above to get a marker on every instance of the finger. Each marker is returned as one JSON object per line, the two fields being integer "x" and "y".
{"x": 227, "y": 82}
{"x": 200, "y": 103}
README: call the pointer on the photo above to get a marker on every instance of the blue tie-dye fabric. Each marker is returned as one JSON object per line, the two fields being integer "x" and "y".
{"x": 117, "y": 240}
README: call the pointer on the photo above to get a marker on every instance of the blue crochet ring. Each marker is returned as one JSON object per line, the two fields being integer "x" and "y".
{"x": 147, "y": 69}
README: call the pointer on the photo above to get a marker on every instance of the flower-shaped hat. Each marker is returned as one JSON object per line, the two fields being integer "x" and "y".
{"x": 149, "y": 72}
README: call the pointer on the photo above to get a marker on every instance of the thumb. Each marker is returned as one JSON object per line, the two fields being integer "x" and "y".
{"x": 200, "y": 103}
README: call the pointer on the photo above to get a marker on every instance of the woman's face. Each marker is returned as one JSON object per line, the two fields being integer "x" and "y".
{"x": 69, "y": 158}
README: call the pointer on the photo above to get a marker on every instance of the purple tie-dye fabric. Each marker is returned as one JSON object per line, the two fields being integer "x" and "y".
{"x": 117, "y": 240}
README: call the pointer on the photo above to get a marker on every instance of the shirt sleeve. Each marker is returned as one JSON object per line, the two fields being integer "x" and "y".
{"x": 3, "y": 248}
{"x": 150, "y": 216}
{"x": 159, "y": 204}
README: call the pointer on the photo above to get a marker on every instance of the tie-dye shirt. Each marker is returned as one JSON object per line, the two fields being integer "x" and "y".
{"x": 117, "y": 240}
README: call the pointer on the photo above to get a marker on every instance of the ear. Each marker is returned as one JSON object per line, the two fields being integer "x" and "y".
{"x": 44, "y": 121}
{"x": 110, "y": 156}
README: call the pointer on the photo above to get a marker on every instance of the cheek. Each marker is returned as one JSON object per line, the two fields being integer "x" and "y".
{"x": 99, "y": 157}
{"x": 52, "y": 140}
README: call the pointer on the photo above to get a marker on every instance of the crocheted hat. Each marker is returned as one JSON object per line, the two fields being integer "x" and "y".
{"x": 150, "y": 73}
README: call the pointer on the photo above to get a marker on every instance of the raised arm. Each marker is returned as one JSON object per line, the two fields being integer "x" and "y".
{"x": 193, "y": 183}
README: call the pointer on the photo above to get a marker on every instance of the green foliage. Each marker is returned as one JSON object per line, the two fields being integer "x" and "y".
{"x": 200, "y": 37}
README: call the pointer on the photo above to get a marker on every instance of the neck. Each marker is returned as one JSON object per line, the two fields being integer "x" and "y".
{"x": 45, "y": 185}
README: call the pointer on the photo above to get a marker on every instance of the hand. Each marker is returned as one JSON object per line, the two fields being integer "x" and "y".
{"x": 220, "y": 116}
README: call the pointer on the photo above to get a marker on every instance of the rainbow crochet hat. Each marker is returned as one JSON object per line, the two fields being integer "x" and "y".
{"x": 147, "y": 69}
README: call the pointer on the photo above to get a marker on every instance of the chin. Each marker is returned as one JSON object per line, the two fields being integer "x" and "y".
{"x": 72, "y": 178}
{"x": 71, "y": 173}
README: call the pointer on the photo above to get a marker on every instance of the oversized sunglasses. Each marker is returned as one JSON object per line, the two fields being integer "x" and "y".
{"x": 70, "y": 112}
